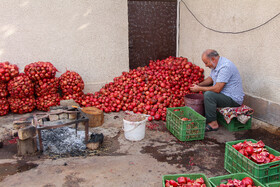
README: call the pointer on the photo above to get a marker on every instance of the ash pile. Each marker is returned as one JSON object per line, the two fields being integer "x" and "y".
{"x": 63, "y": 141}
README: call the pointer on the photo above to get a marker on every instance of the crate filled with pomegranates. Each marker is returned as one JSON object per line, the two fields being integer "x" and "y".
{"x": 185, "y": 123}
{"x": 235, "y": 180}
{"x": 180, "y": 180}
{"x": 253, "y": 157}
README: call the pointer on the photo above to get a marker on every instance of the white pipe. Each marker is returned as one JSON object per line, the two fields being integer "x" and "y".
{"x": 178, "y": 28}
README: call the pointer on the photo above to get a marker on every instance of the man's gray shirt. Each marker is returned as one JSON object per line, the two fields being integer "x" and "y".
{"x": 227, "y": 72}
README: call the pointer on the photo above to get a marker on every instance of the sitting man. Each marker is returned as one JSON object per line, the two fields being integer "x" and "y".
{"x": 223, "y": 88}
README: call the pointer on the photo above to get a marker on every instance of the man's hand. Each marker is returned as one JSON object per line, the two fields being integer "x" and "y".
{"x": 195, "y": 88}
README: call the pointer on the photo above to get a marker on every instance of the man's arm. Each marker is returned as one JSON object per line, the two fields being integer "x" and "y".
{"x": 218, "y": 87}
{"x": 207, "y": 82}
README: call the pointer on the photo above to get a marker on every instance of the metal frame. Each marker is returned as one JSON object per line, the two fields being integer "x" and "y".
{"x": 81, "y": 117}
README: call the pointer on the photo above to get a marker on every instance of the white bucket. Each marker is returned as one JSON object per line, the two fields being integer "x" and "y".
{"x": 134, "y": 131}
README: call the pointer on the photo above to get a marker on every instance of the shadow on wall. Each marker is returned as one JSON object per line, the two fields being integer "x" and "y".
{"x": 5, "y": 32}
{"x": 16, "y": 26}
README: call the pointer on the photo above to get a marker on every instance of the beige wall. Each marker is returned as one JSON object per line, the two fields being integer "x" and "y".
{"x": 256, "y": 53}
{"x": 86, "y": 36}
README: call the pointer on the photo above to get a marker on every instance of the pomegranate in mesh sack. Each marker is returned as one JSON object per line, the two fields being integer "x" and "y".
{"x": 3, "y": 89}
{"x": 71, "y": 82}
{"x": 21, "y": 86}
{"x": 8, "y": 71}
{"x": 77, "y": 97}
{"x": 4, "y": 106}
{"x": 22, "y": 105}
{"x": 45, "y": 102}
{"x": 40, "y": 70}
{"x": 46, "y": 86}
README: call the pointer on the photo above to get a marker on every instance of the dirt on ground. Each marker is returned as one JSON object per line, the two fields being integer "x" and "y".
{"x": 120, "y": 162}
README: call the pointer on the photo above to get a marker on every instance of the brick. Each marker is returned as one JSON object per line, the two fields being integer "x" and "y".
{"x": 73, "y": 116}
{"x": 53, "y": 117}
{"x": 63, "y": 116}
{"x": 27, "y": 132}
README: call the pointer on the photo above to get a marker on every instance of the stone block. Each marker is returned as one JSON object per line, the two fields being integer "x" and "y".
{"x": 25, "y": 147}
{"x": 63, "y": 116}
{"x": 93, "y": 145}
{"x": 73, "y": 116}
{"x": 69, "y": 102}
{"x": 53, "y": 117}
{"x": 21, "y": 124}
{"x": 56, "y": 111}
{"x": 26, "y": 132}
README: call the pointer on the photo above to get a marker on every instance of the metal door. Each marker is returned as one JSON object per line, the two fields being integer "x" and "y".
{"x": 152, "y": 30}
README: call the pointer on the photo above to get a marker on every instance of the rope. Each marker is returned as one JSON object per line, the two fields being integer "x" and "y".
{"x": 228, "y": 32}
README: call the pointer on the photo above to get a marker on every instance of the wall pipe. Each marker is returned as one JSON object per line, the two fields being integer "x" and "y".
{"x": 178, "y": 28}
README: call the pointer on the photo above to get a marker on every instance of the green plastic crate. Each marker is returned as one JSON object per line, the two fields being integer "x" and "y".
{"x": 216, "y": 181}
{"x": 185, "y": 130}
{"x": 234, "y": 124}
{"x": 235, "y": 162}
{"x": 191, "y": 176}
{"x": 273, "y": 184}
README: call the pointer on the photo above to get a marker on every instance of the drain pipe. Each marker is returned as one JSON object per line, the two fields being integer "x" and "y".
{"x": 178, "y": 28}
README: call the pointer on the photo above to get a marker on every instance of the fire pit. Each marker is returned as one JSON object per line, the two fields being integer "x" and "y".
{"x": 57, "y": 119}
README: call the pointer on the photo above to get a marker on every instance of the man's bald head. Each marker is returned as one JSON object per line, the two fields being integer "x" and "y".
{"x": 208, "y": 53}
{"x": 210, "y": 58}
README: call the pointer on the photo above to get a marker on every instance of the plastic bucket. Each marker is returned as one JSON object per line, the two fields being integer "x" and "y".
{"x": 134, "y": 131}
{"x": 196, "y": 102}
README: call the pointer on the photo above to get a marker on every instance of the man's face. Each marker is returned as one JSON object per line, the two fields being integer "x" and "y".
{"x": 208, "y": 63}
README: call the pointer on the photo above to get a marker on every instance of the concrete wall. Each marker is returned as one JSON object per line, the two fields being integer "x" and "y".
{"x": 256, "y": 53}
{"x": 86, "y": 36}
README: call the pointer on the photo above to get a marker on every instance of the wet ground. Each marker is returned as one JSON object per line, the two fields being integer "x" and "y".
{"x": 120, "y": 162}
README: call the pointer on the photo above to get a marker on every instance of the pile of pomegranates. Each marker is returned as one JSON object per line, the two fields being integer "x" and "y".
{"x": 148, "y": 90}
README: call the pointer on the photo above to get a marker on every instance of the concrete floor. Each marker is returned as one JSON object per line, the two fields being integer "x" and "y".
{"x": 124, "y": 163}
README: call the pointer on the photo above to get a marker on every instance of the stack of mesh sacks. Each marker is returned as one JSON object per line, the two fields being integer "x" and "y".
{"x": 46, "y": 84}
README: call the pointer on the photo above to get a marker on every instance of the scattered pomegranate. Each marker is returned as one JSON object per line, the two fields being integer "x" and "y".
{"x": 40, "y": 70}
{"x": 7, "y": 71}
{"x": 185, "y": 119}
{"x": 21, "y": 86}
{"x": 4, "y": 106}
{"x": 22, "y": 105}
